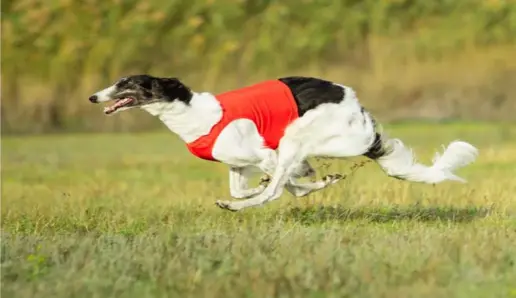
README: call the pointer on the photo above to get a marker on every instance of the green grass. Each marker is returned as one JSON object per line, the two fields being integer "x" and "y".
{"x": 133, "y": 215}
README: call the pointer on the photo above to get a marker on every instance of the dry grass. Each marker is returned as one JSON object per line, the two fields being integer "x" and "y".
{"x": 119, "y": 215}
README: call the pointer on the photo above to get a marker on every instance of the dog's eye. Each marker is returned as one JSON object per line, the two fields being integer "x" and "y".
{"x": 122, "y": 82}
{"x": 147, "y": 85}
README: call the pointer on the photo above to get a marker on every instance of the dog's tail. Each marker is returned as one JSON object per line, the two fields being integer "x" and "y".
{"x": 398, "y": 161}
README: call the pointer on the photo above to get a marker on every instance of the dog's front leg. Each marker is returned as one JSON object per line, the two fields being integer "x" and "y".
{"x": 238, "y": 184}
{"x": 288, "y": 161}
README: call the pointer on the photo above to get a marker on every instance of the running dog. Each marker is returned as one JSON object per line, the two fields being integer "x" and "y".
{"x": 273, "y": 127}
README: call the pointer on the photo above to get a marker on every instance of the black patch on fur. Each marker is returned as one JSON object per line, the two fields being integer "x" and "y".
{"x": 376, "y": 150}
{"x": 363, "y": 111}
{"x": 309, "y": 93}
{"x": 171, "y": 89}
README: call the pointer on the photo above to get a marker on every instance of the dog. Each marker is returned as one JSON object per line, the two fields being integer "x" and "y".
{"x": 273, "y": 127}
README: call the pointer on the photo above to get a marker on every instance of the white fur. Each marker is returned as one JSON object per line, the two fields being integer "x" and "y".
{"x": 400, "y": 162}
{"x": 105, "y": 94}
{"x": 191, "y": 121}
{"x": 337, "y": 130}
{"x": 240, "y": 144}
{"x": 238, "y": 187}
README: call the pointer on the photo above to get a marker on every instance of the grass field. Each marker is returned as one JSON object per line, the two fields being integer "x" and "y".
{"x": 133, "y": 215}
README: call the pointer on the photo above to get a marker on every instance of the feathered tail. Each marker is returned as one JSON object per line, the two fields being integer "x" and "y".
{"x": 399, "y": 161}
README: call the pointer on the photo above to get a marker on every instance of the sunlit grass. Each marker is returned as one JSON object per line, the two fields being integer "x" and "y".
{"x": 133, "y": 215}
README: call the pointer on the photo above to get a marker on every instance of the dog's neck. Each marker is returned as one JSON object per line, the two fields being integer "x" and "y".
{"x": 188, "y": 121}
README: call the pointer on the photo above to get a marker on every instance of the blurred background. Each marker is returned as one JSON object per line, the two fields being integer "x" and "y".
{"x": 408, "y": 59}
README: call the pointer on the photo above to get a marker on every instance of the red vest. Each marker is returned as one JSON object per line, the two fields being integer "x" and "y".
{"x": 270, "y": 105}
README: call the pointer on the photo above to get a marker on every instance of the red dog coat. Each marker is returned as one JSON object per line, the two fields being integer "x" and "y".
{"x": 270, "y": 105}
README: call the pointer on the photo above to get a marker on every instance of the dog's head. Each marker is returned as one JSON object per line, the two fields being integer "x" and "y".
{"x": 139, "y": 90}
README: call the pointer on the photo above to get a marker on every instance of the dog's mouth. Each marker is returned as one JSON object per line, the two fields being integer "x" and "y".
{"x": 119, "y": 103}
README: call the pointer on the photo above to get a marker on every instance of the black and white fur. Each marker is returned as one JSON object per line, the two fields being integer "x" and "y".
{"x": 331, "y": 123}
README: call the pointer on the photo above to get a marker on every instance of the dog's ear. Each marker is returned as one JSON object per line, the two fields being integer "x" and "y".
{"x": 172, "y": 89}
{"x": 171, "y": 80}
{"x": 164, "y": 83}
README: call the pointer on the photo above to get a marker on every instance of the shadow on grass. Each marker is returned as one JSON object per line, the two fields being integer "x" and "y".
{"x": 382, "y": 215}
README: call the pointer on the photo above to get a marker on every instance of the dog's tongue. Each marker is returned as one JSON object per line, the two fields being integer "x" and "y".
{"x": 118, "y": 104}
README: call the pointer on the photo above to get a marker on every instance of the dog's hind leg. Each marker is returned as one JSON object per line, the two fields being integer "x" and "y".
{"x": 303, "y": 189}
{"x": 238, "y": 187}
{"x": 304, "y": 169}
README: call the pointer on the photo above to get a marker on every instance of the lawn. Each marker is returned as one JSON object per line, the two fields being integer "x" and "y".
{"x": 134, "y": 215}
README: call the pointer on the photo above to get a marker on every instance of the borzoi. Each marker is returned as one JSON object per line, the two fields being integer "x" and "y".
{"x": 273, "y": 127}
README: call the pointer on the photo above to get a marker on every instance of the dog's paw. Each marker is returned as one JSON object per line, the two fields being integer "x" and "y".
{"x": 226, "y": 205}
{"x": 332, "y": 179}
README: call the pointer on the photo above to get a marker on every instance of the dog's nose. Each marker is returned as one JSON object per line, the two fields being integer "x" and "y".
{"x": 94, "y": 98}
